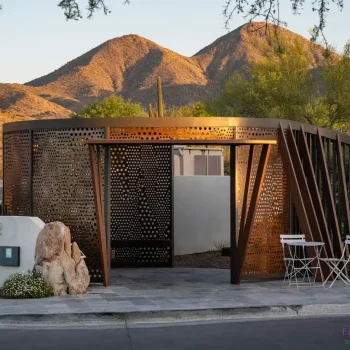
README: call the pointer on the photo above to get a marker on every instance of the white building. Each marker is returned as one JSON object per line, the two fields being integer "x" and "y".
{"x": 198, "y": 161}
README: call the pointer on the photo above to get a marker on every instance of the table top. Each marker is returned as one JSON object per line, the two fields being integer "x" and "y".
{"x": 305, "y": 244}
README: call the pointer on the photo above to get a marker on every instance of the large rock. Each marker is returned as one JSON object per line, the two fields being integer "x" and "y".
{"x": 59, "y": 261}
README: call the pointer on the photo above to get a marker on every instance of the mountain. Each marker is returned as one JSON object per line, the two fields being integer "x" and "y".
{"x": 129, "y": 66}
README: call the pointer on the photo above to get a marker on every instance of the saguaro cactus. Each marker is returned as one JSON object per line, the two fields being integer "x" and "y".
{"x": 150, "y": 111}
{"x": 160, "y": 98}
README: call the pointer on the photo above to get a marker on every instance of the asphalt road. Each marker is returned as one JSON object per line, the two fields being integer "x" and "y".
{"x": 312, "y": 333}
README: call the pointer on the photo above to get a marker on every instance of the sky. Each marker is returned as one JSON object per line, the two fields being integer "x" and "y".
{"x": 36, "y": 39}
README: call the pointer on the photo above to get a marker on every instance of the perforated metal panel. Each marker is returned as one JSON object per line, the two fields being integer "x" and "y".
{"x": 173, "y": 133}
{"x": 141, "y": 205}
{"x": 17, "y": 175}
{"x": 264, "y": 254}
{"x": 62, "y": 187}
{"x": 154, "y": 185}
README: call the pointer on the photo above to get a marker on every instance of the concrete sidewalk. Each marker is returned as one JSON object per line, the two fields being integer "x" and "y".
{"x": 178, "y": 294}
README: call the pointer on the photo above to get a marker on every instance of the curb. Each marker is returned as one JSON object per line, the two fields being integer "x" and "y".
{"x": 176, "y": 316}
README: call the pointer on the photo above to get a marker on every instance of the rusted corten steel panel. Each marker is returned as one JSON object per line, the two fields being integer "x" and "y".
{"x": 264, "y": 255}
{"x": 17, "y": 179}
{"x": 142, "y": 189}
{"x": 250, "y": 217}
{"x": 97, "y": 178}
{"x": 62, "y": 187}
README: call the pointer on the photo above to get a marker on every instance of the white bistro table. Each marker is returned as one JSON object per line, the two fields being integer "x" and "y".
{"x": 303, "y": 266}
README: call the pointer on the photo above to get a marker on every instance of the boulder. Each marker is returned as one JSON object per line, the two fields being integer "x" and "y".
{"x": 59, "y": 261}
{"x": 50, "y": 242}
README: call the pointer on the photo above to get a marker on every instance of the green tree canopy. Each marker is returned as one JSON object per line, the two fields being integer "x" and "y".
{"x": 335, "y": 100}
{"x": 191, "y": 110}
{"x": 284, "y": 86}
{"x": 112, "y": 107}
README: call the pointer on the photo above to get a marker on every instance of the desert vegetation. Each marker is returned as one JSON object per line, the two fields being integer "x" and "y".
{"x": 285, "y": 86}
{"x": 26, "y": 285}
{"x": 112, "y": 107}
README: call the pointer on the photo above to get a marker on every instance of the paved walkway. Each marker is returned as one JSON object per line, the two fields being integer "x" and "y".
{"x": 140, "y": 290}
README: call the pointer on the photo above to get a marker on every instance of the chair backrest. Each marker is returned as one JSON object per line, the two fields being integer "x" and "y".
{"x": 345, "y": 254}
{"x": 289, "y": 239}
{"x": 293, "y": 238}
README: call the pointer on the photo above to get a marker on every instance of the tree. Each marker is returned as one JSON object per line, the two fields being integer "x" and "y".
{"x": 268, "y": 10}
{"x": 284, "y": 86}
{"x": 191, "y": 110}
{"x": 335, "y": 100}
{"x": 112, "y": 107}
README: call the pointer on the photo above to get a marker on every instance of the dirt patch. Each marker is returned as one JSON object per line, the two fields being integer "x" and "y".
{"x": 208, "y": 260}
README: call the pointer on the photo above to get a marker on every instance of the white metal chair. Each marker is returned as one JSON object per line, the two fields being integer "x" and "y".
{"x": 287, "y": 258}
{"x": 333, "y": 264}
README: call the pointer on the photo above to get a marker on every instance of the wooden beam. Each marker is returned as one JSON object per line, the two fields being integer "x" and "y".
{"x": 327, "y": 189}
{"x": 342, "y": 183}
{"x": 101, "y": 230}
{"x": 315, "y": 194}
{"x": 246, "y": 190}
{"x": 294, "y": 186}
{"x": 256, "y": 192}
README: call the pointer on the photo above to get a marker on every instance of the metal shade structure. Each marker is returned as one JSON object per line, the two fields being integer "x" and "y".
{"x": 237, "y": 253}
{"x": 305, "y": 188}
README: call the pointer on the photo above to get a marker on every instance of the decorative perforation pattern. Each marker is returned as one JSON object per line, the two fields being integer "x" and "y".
{"x": 173, "y": 133}
{"x": 264, "y": 254}
{"x": 148, "y": 194}
{"x": 17, "y": 174}
{"x": 141, "y": 202}
{"x": 62, "y": 186}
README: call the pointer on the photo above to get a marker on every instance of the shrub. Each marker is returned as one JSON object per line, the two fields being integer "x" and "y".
{"x": 219, "y": 245}
{"x": 26, "y": 285}
{"x": 112, "y": 107}
{"x": 197, "y": 109}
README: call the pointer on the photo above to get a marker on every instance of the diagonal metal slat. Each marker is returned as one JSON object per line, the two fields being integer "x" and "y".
{"x": 327, "y": 189}
{"x": 315, "y": 194}
{"x": 304, "y": 188}
{"x": 343, "y": 185}
{"x": 294, "y": 186}
{"x": 246, "y": 190}
{"x": 256, "y": 192}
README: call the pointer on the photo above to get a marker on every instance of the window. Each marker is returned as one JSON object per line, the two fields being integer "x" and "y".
{"x": 207, "y": 165}
{"x": 214, "y": 165}
{"x": 200, "y": 165}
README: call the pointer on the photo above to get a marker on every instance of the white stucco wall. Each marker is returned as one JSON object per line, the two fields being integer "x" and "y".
{"x": 184, "y": 159}
{"x": 19, "y": 231}
{"x": 201, "y": 213}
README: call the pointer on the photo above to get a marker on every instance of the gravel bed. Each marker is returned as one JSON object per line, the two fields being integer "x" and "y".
{"x": 208, "y": 260}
